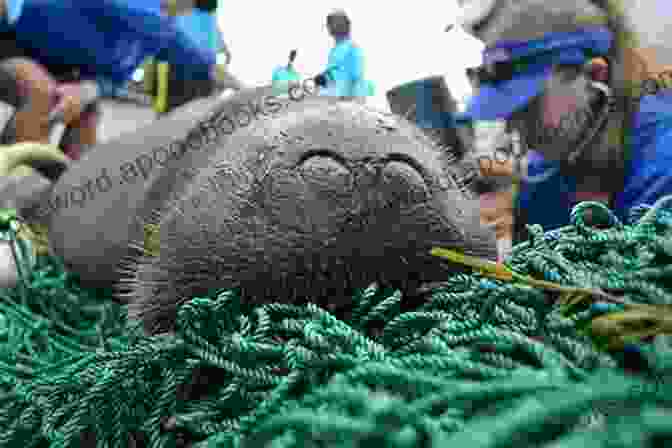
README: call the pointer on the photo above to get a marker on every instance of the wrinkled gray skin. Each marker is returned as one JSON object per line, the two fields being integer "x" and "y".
{"x": 25, "y": 192}
{"x": 113, "y": 219}
{"x": 308, "y": 204}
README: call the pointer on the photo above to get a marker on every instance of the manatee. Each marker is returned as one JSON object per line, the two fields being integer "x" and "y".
{"x": 98, "y": 206}
{"x": 308, "y": 203}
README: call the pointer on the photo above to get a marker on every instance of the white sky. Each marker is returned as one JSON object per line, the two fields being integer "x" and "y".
{"x": 401, "y": 42}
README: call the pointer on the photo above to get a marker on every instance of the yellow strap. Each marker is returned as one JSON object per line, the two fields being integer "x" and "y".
{"x": 163, "y": 69}
{"x": 161, "y": 100}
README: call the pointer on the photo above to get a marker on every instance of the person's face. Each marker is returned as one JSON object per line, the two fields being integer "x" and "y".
{"x": 554, "y": 122}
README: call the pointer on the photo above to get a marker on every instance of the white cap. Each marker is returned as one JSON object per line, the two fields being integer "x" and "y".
{"x": 474, "y": 11}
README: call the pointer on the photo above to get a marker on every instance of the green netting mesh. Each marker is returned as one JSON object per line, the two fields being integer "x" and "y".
{"x": 482, "y": 363}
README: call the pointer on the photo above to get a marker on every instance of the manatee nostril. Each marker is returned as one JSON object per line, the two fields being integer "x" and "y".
{"x": 404, "y": 182}
{"x": 325, "y": 168}
{"x": 323, "y": 154}
{"x": 410, "y": 161}
{"x": 326, "y": 172}
{"x": 403, "y": 172}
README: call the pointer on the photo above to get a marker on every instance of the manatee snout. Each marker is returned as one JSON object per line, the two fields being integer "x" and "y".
{"x": 307, "y": 205}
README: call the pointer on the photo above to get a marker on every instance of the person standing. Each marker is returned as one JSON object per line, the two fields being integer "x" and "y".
{"x": 285, "y": 75}
{"x": 344, "y": 75}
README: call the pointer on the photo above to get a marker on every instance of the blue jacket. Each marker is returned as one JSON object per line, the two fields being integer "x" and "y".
{"x": 105, "y": 38}
{"x": 345, "y": 71}
{"x": 648, "y": 169}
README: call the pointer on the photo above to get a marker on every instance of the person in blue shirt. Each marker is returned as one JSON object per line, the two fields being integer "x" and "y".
{"x": 590, "y": 136}
{"x": 86, "y": 40}
{"x": 284, "y": 75}
{"x": 344, "y": 75}
{"x": 199, "y": 22}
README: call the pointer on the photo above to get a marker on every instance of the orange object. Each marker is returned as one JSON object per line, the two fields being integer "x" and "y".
{"x": 599, "y": 69}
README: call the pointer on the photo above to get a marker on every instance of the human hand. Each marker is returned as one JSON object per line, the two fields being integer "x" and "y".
{"x": 70, "y": 101}
{"x": 320, "y": 80}
{"x": 497, "y": 211}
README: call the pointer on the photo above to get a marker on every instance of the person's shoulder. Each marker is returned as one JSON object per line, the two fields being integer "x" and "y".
{"x": 356, "y": 50}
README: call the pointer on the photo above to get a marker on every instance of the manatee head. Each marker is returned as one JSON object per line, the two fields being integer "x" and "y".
{"x": 307, "y": 204}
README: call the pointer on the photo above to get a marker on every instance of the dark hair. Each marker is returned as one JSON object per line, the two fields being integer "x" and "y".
{"x": 206, "y": 5}
{"x": 616, "y": 22}
{"x": 472, "y": 74}
{"x": 339, "y": 23}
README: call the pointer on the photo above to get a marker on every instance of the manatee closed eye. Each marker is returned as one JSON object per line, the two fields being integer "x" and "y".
{"x": 306, "y": 205}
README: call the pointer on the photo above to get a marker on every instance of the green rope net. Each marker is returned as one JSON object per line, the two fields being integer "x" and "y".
{"x": 482, "y": 363}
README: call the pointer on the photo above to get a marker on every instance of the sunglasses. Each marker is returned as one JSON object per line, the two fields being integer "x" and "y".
{"x": 496, "y": 72}
{"x": 499, "y": 71}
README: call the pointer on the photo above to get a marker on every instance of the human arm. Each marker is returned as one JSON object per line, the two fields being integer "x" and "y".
{"x": 355, "y": 64}
{"x": 497, "y": 211}
{"x": 345, "y": 63}
{"x": 223, "y": 48}
{"x": 337, "y": 62}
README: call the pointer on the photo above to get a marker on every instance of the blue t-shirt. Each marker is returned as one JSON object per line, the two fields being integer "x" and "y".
{"x": 345, "y": 71}
{"x": 202, "y": 28}
{"x": 648, "y": 170}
